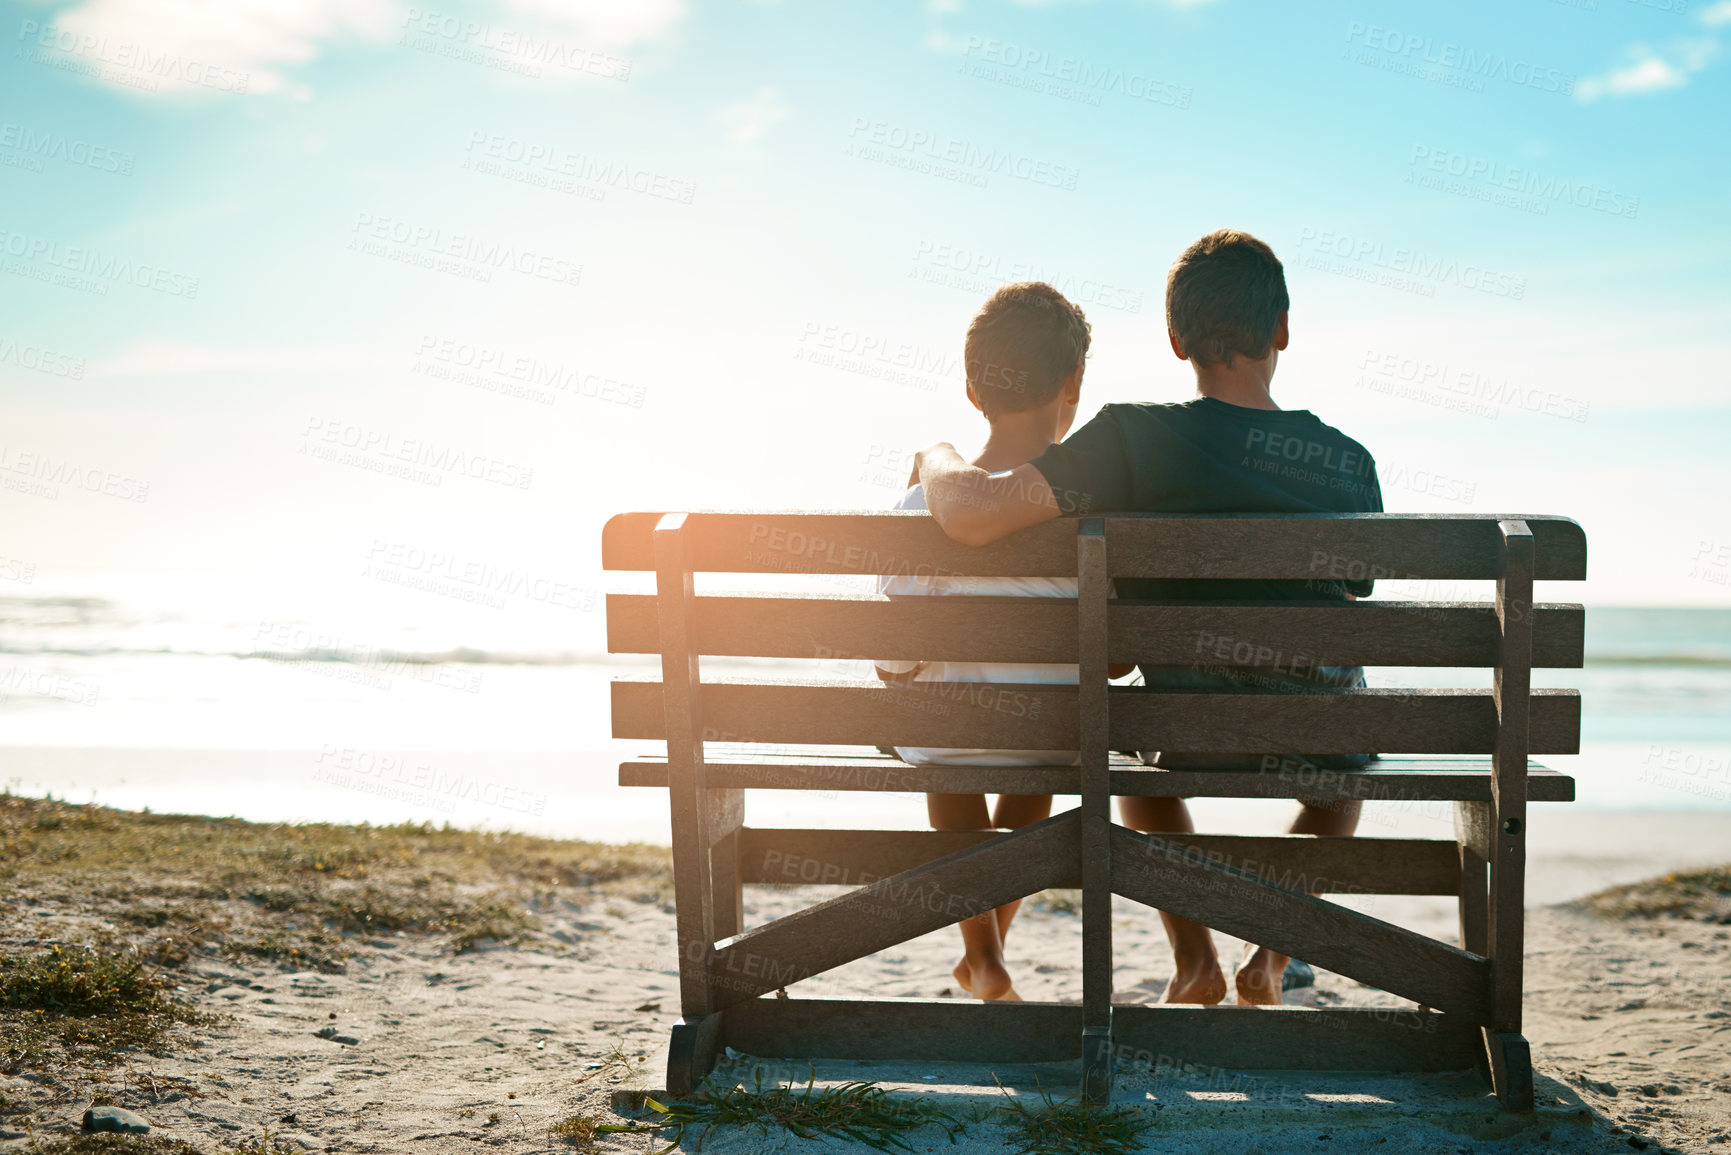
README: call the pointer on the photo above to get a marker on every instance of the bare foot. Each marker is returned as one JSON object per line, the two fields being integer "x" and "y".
{"x": 1258, "y": 979}
{"x": 984, "y": 980}
{"x": 963, "y": 974}
{"x": 1204, "y": 984}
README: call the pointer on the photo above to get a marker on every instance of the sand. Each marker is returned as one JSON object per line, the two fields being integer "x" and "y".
{"x": 1631, "y": 1026}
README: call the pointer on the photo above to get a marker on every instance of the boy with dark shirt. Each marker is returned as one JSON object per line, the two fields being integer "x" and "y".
{"x": 1231, "y": 450}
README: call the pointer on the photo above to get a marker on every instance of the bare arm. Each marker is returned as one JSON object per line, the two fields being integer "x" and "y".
{"x": 975, "y": 507}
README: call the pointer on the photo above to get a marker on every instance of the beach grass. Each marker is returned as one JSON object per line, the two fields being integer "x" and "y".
{"x": 172, "y": 886}
{"x": 583, "y": 1133}
{"x": 1071, "y": 1127}
{"x": 867, "y": 1113}
{"x": 108, "y": 913}
{"x": 1703, "y": 895}
{"x": 859, "y": 1112}
{"x": 110, "y": 1144}
{"x": 65, "y": 1004}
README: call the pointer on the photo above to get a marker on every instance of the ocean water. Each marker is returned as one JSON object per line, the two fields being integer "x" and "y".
{"x": 281, "y": 700}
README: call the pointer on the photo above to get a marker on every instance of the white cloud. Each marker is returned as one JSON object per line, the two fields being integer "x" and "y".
{"x": 1650, "y": 74}
{"x": 1650, "y": 70}
{"x": 249, "y": 46}
{"x": 148, "y": 357}
{"x": 231, "y": 46}
{"x": 748, "y": 120}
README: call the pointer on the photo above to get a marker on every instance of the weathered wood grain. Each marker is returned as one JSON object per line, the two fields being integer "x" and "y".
{"x": 960, "y": 885}
{"x": 689, "y": 798}
{"x": 1156, "y": 872}
{"x": 1257, "y": 635}
{"x": 1451, "y": 547}
{"x": 1210, "y": 1046}
{"x": 788, "y": 856}
{"x": 1094, "y": 589}
{"x": 1033, "y": 717}
{"x": 1507, "y": 852}
{"x": 1403, "y": 780}
{"x": 1473, "y": 838}
{"x": 1511, "y": 1066}
{"x": 1298, "y": 546}
{"x": 692, "y": 1052}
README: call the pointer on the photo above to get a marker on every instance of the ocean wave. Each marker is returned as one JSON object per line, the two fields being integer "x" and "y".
{"x": 483, "y": 656}
{"x": 364, "y": 656}
{"x": 1660, "y": 659}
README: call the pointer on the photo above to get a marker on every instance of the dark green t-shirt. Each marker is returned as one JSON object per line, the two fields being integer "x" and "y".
{"x": 1206, "y": 456}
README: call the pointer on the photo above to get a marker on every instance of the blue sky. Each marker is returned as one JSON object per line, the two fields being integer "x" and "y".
{"x": 290, "y": 281}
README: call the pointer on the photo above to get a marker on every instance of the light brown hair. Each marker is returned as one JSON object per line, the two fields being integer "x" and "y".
{"x": 1022, "y": 345}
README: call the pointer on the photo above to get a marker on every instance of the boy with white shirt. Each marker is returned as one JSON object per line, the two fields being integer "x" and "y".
{"x": 1023, "y": 360}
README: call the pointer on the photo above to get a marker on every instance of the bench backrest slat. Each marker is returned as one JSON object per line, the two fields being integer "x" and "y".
{"x": 970, "y": 629}
{"x": 1283, "y": 637}
{"x": 1026, "y": 717}
{"x": 1444, "y": 547}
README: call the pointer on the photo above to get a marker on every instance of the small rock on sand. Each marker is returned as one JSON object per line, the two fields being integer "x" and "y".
{"x": 115, "y": 1119}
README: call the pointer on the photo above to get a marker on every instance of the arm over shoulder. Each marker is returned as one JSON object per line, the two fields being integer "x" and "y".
{"x": 976, "y": 507}
{"x": 1090, "y": 471}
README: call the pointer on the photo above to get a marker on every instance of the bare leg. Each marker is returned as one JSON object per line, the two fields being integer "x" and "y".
{"x": 1196, "y": 977}
{"x": 981, "y": 972}
{"x": 1013, "y": 812}
{"x": 1258, "y": 980}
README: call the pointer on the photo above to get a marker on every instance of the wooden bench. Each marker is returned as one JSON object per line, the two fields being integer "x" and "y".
{"x": 902, "y": 884}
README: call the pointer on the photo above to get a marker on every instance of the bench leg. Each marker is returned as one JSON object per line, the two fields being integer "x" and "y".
{"x": 1096, "y": 1066}
{"x": 697, "y": 1043}
{"x": 1472, "y": 835}
{"x": 1511, "y": 1064}
{"x": 727, "y": 809}
{"x": 1094, "y": 720}
{"x": 1504, "y": 843}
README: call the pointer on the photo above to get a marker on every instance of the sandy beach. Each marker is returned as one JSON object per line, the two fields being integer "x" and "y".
{"x": 356, "y": 1040}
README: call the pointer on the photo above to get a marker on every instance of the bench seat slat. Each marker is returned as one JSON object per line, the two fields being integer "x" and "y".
{"x": 1028, "y": 717}
{"x": 978, "y": 629}
{"x": 1385, "y": 780}
{"x": 1297, "y": 546}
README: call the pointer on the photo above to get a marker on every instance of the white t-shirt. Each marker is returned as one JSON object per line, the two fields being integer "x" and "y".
{"x": 908, "y": 585}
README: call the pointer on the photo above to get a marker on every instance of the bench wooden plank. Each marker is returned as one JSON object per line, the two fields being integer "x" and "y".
{"x": 793, "y": 857}
{"x": 1093, "y": 597}
{"x": 1028, "y": 717}
{"x": 1159, "y": 873}
{"x": 1288, "y": 1038}
{"x": 959, "y": 885}
{"x": 1166, "y": 1040}
{"x": 1463, "y": 546}
{"x": 689, "y": 797}
{"x": 1386, "y": 780}
{"x": 1447, "y": 547}
{"x": 1236, "y": 634}
{"x": 1505, "y": 922}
